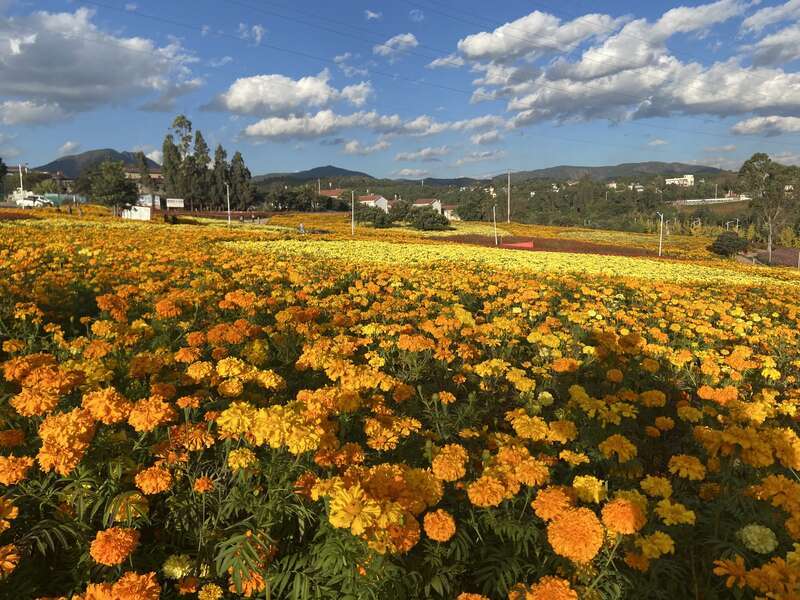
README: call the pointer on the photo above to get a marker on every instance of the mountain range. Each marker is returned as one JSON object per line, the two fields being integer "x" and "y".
{"x": 326, "y": 172}
{"x": 626, "y": 170}
{"x": 73, "y": 165}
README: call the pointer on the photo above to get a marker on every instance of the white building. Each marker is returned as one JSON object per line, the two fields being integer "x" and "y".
{"x": 429, "y": 202}
{"x": 451, "y": 212}
{"x": 685, "y": 181}
{"x": 612, "y": 185}
{"x": 374, "y": 201}
{"x": 137, "y": 213}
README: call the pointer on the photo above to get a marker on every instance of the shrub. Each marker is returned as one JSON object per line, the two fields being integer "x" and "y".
{"x": 382, "y": 220}
{"x": 728, "y": 243}
{"x": 428, "y": 219}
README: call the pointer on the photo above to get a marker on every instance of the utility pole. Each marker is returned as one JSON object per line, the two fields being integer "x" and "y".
{"x": 22, "y": 187}
{"x": 508, "y": 209}
{"x": 660, "y": 233}
{"x": 494, "y": 219}
{"x": 352, "y": 212}
{"x": 715, "y": 190}
{"x": 422, "y": 183}
{"x": 228, "y": 196}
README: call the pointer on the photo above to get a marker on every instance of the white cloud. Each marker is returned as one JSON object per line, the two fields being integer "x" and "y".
{"x": 62, "y": 63}
{"x": 166, "y": 102}
{"x": 371, "y": 15}
{"x": 357, "y": 148}
{"x": 451, "y": 61}
{"x": 780, "y": 47}
{"x": 29, "y": 112}
{"x": 657, "y": 142}
{"x": 131, "y": 7}
{"x": 727, "y": 148}
{"x": 215, "y": 63}
{"x": 412, "y": 173}
{"x": 278, "y": 94}
{"x": 342, "y": 61}
{"x": 486, "y": 155}
{"x": 327, "y": 122}
{"x": 395, "y": 46}
{"x": 155, "y": 155}
{"x": 68, "y": 147}
{"x": 252, "y": 33}
{"x": 488, "y": 137}
{"x": 770, "y": 15}
{"x": 416, "y": 15}
{"x": 769, "y": 126}
{"x": 429, "y": 154}
{"x": 534, "y": 35}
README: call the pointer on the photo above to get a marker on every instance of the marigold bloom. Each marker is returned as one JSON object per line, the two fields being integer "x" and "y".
{"x": 352, "y": 508}
{"x": 735, "y": 571}
{"x": 448, "y": 465}
{"x": 439, "y": 525}
{"x": 150, "y": 413}
{"x": 468, "y": 596}
{"x": 177, "y": 566}
{"x": 111, "y": 546}
{"x": 65, "y": 439}
{"x": 687, "y": 466}
{"x": 107, "y": 405}
{"x": 11, "y": 438}
{"x": 241, "y": 458}
{"x": 153, "y": 480}
{"x": 9, "y": 558}
{"x": 132, "y": 586}
{"x": 656, "y": 486}
{"x": 203, "y": 484}
{"x": 674, "y": 513}
{"x": 210, "y": 591}
{"x": 576, "y": 534}
{"x": 622, "y": 516}
{"x": 14, "y": 469}
{"x": 551, "y": 502}
{"x": 758, "y": 538}
{"x": 486, "y": 491}
{"x": 589, "y": 488}
{"x": 551, "y": 588}
{"x": 619, "y": 445}
{"x": 655, "y": 545}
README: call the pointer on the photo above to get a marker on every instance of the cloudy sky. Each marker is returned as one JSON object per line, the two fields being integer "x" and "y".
{"x": 405, "y": 87}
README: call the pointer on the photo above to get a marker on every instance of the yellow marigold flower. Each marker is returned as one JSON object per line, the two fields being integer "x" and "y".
{"x": 112, "y": 546}
{"x": 486, "y": 491}
{"x": 237, "y": 419}
{"x": 107, "y": 405}
{"x": 562, "y": 432}
{"x": 576, "y": 534}
{"x": 551, "y": 502}
{"x": 589, "y": 488}
{"x": 659, "y": 487}
{"x": 665, "y": 423}
{"x": 619, "y": 445}
{"x": 526, "y": 427}
{"x": 241, "y": 458}
{"x": 674, "y": 513}
{"x": 210, "y": 591}
{"x": 132, "y": 586}
{"x": 655, "y": 545}
{"x": 622, "y": 516}
{"x": 439, "y": 525}
{"x": 9, "y": 558}
{"x": 468, "y": 596}
{"x": 689, "y": 413}
{"x": 199, "y": 370}
{"x": 153, "y": 480}
{"x": 177, "y": 566}
{"x": 653, "y": 398}
{"x": 448, "y": 464}
{"x": 687, "y": 466}
{"x": 758, "y": 538}
{"x": 573, "y": 458}
{"x": 150, "y": 413}
{"x": 352, "y": 508}
{"x": 14, "y": 469}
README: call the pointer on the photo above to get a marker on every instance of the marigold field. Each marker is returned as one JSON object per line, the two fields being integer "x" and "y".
{"x": 193, "y": 411}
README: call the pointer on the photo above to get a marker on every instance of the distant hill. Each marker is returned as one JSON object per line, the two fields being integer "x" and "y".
{"x": 643, "y": 169}
{"x": 72, "y": 166}
{"x": 326, "y": 172}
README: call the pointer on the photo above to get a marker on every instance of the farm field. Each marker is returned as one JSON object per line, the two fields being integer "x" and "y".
{"x": 193, "y": 411}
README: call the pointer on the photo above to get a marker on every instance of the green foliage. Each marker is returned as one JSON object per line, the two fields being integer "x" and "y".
{"x": 382, "y": 220}
{"x": 110, "y": 186}
{"x": 728, "y": 243}
{"x": 427, "y": 219}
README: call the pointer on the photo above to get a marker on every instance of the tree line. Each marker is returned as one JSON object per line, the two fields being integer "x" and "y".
{"x": 190, "y": 173}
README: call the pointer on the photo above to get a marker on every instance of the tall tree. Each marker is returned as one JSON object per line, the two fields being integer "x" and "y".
{"x": 240, "y": 183}
{"x": 220, "y": 176}
{"x": 766, "y": 182}
{"x": 112, "y": 188}
{"x": 201, "y": 178}
{"x": 171, "y": 167}
{"x": 145, "y": 180}
{"x": 3, "y": 173}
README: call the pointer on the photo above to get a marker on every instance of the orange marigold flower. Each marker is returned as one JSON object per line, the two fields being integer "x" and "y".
{"x": 551, "y": 502}
{"x": 112, "y": 546}
{"x": 735, "y": 571}
{"x": 576, "y": 534}
{"x": 467, "y": 596}
{"x": 107, "y": 405}
{"x": 486, "y": 491}
{"x": 203, "y": 484}
{"x": 439, "y": 525}
{"x": 551, "y": 588}
{"x": 31, "y": 402}
{"x": 448, "y": 465}
{"x": 687, "y": 466}
{"x": 153, "y": 480}
{"x": 565, "y": 365}
{"x": 9, "y": 558}
{"x": 150, "y": 413}
{"x": 167, "y": 309}
{"x": 14, "y": 469}
{"x": 446, "y": 397}
{"x": 133, "y": 586}
{"x": 622, "y": 516}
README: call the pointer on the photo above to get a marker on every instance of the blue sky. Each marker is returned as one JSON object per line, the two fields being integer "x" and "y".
{"x": 410, "y": 88}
